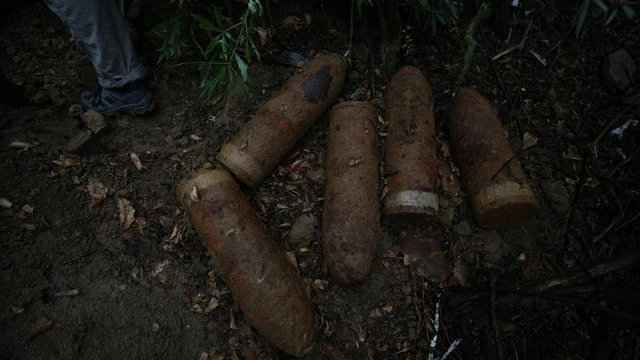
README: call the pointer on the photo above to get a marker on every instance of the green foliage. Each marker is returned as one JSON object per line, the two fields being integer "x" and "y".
{"x": 170, "y": 35}
{"x": 360, "y": 3}
{"x": 437, "y": 12}
{"x": 610, "y": 9}
{"x": 224, "y": 59}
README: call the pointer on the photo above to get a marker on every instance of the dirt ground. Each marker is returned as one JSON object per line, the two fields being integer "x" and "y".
{"x": 77, "y": 285}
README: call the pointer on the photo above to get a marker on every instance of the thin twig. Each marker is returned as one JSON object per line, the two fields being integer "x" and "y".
{"x": 494, "y": 320}
{"x": 594, "y": 271}
{"x": 618, "y": 118}
{"x": 348, "y": 53}
{"x": 513, "y": 295}
{"x": 506, "y": 95}
{"x": 595, "y": 307}
{"x": 515, "y": 156}
{"x": 482, "y": 13}
{"x": 519, "y": 46}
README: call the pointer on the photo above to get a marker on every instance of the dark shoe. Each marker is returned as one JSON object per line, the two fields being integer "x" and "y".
{"x": 133, "y": 98}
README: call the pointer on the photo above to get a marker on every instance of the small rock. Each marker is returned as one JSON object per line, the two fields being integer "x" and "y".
{"x": 617, "y": 71}
{"x": 303, "y": 231}
{"x": 462, "y": 228}
{"x": 94, "y": 121}
{"x": 75, "y": 110}
{"x": 316, "y": 176}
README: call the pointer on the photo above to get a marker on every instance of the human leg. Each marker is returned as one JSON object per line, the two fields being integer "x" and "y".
{"x": 99, "y": 26}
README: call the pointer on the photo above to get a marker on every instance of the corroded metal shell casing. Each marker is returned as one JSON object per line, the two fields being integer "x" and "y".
{"x": 262, "y": 143}
{"x": 410, "y": 155}
{"x": 495, "y": 183}
{"x": 263, "y": 282}
{"x": 351, "y": 219}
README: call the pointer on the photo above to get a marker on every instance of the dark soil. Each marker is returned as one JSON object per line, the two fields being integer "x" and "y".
{"x": 143, "y": 292}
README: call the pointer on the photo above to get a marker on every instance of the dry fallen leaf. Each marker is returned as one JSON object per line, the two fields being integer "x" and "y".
{"x": 160, "y": 267}
{"x": 213, "y": 304}
{"x": 94, "y": 121}
{"x": 127, "y": 213}
{"x": 142, "y": 223}
{"x": 17, "y": 309}
{"x": 72, "y": 292}
{"x": 136, "y": 161}
{"x": 97, "y": 190}
{"x": 28, "y": 209}
{"x": 21, "y": 145}
{"x": 528, "y": 140}
{"x": 291, "y": 256}
{"x": 263, "y": 35}
{"x": 66, "y": 161}
{"x": 375, "y": 313}
{"x": 294, "y": 22}
{"x": 28, "y": 227}
{"x": 4, "y": 203}
{"x": 433, "y": 263}
{"x": 232, "y": 321}
{"x": 320, "y": 284}
{"x": 460, "y": 273}
{"x": 176, "y": 235}
{"x": 354, "y": 162}
{"x": 42, "y": 324}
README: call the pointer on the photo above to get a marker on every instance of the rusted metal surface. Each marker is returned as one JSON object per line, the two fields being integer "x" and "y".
{"x": 495, "y": 183}
{"x": 410, "y": 155}
{"x": 351, "y": 219}
{"x": 263, "y": 282}
{"x": 262, "y": 143}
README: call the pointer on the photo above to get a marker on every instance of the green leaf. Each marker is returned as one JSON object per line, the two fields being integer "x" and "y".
{"x": 582, "y": 16}
{"x": 212, "y": 45}
{"x": 242, "y": 65}
{"x": 611, "y": 16}
{"x": 628, "y": 11}
{"x": 204, "y": 23}
{"x": 255, "y": 7}
{"x": 602, "y": 5}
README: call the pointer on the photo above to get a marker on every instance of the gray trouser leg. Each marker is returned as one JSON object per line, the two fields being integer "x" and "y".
{"x": 99, "y": 26}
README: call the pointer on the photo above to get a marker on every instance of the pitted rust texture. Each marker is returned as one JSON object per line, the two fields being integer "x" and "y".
{"x": 317, "y": 86}
{"x": 495, "y": 183}
{"x": 262, "y": 143}
{"x": 480, "y": 145}
{"x": 263, "y": 283}
{"x": 410, "y": 156}
{"x": 351, "y": 219}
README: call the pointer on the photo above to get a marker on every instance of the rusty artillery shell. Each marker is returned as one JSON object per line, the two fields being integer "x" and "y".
{"x": 497, "y": 187}
{"x": 263, "y": 282}
{"x": 351, "y": 220}
{"x": 410, "y": 155}
{"x": 262, "y": 143}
